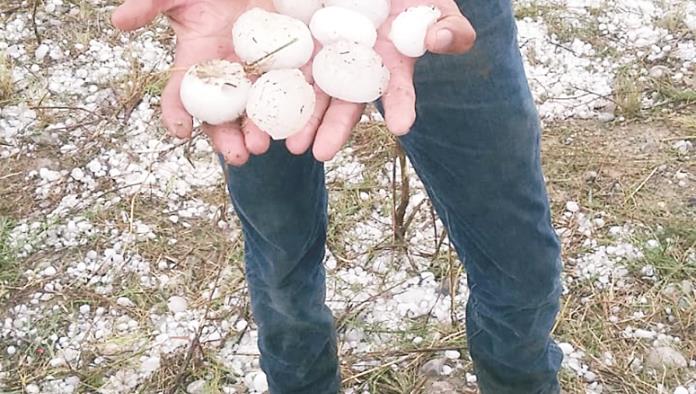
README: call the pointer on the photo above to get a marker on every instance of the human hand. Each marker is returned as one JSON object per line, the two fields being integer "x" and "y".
{"x": 203, "y": 30}
{"x": 452, "y": 34}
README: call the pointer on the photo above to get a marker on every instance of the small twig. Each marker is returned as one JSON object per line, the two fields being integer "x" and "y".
{"x": 400, "y": 225}
{"x": 10, "y": 175}
{"x": 688, "y": 137}
{"x": 417, "y": 350}
{"x": 265, "y": 57}
{"x": 178, "y": 145}
{"x": 642, "y": 184}
{"x": 65, "y": 108}
{"x": 432, "y": 216}
{"x": 454, "y": 275}
{"x": 33, "y": 21}
{"x": 377, "y": 368}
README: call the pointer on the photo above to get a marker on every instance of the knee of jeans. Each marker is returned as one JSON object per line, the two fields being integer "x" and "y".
{"x": 285, "y": 262}
{"x": 526, "y": 314}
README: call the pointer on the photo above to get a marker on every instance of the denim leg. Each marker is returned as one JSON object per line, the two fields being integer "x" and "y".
{"x": 475, "y": 145}
{"x": 281, "y": 201}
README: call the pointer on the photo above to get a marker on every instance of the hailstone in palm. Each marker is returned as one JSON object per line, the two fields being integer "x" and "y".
{"x": 351, "y": 72}
{"x": 410, "y": 28}
{"x": 281, "y": 103}
{"x": 376, "y": 10}
{"x": 272, "y": 41}
{"x": 215, "y": 91}
{"x": 299, "y": 9}
{"x": 331, "y": 24}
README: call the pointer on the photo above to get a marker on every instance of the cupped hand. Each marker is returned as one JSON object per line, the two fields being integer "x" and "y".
{"x": 451, "y": 35}
{"x": 203, "y": 31}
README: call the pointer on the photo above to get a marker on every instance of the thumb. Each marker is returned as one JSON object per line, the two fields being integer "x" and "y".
{"x": 134, "y": 14}
{"x": 451, "y": 35}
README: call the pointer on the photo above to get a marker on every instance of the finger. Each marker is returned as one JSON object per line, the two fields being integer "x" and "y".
{"x": 134, "y": 14}
{"x": 400, "y": 98}
{"x": 452, "y": 34}
{"x": 257, "y": 142}
{"x": 336, "y": 127}
{"x": 174, "y": 116}
{"x": 229, "y": 142}
{"x": 299, "y": 143}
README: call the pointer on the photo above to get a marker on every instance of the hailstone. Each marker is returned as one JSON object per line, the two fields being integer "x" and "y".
{"x": 350, "y": 72}
{"x": 215, "y": 91}
{"x": 299, "y": 9}
{"x": 410, "y": 28}
{"x": 376, "y": 10}
{"x": 281, "y": 103}
{"x": 333, "y": 24}
{"x": 272, "y": 41}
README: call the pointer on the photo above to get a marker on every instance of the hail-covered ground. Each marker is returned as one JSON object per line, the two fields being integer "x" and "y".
{"x": 121, "y": 261}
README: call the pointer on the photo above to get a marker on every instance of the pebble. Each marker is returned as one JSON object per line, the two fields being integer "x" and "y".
{"x": 433, "y": 368}
{"x": 681, "y": 390}
{"x": 77, "y": 174}
{"x": 257, "y": 382}
{"x": 566, "y": 348}
{"x": 11, "y": 350}
{"x": 49, "y": 271}
{"x": 572, "y": 206}
{"x": 452, "y": 354}
{"x": 32, "y": 389}
{"x": 441, "y": 387}
{"x": 150, "y": 364}
{"x": 590, "y": 376}
{"x": 177, "y": 304}
{"x": 196, "y": 387}
{"x": 665, "y": 357}
{"x": 124, "y": 302}
{"x": 241, "y": 325}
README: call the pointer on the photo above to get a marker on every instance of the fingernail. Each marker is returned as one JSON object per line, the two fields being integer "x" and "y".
{"x": 443, "y": 39}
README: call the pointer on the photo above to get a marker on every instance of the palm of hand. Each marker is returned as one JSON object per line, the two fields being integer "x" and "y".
{"x": 399, "y": 100}
{"x": 203, "y": 30}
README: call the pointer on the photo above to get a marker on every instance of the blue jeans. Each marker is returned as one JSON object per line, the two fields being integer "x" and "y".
{"x": 475, "y": 146}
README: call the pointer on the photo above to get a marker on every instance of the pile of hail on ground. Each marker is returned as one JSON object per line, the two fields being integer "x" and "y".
{"x": 278, "y": 45}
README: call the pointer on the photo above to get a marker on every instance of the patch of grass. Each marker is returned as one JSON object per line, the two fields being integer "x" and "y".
{"x": 627, "y": 94}
{"x": 136, "y": 85}
{"x": 9, "y": 265}
{"x": 684, "y": 122}
{"x": 672, "y": 257}
{"x": 567, "y": 26}
{"x": 6, "y": 82}
{"x": 675, "y": 94}
{"x": 673, "y": 18}
{"x": 533, "y": 10}
{"x": 351, "y": 203}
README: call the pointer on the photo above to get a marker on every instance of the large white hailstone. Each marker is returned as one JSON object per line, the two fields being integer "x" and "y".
{"x": 350, "y": 72}
{"x": 271, "y": 40}
{"x": 410, "y": 28}
{"x": 298, "y": 9}
{"x": 376, "y": 10}
{"x": 333, "y": 24}
{"x": 215, "y": 91}
{"x": 281, "y": 103}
